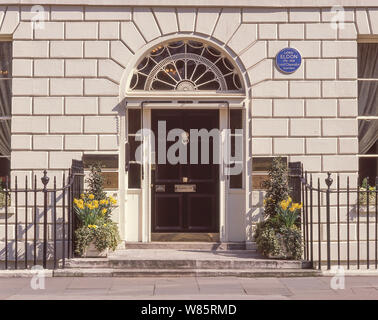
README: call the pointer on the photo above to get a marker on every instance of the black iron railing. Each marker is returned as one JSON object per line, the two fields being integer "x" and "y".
{"x": 339, "y": 220}
{"x": 52, "y": 222}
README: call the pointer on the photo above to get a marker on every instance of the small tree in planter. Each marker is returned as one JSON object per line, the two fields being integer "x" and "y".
{"x": 97, "y": 232}
{"x": 279, "y": 236}
{"x": 277, "y": 186}
{"x": 96, "y": 181}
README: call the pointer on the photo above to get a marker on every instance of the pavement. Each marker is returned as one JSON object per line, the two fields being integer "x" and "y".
{"x": 187, "y": 288}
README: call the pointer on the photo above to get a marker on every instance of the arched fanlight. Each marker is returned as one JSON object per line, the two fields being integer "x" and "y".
{"x": 185, "y": 66}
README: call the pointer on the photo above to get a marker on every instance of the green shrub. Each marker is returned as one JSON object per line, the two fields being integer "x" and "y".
{"x": 104, "y": 236}
{"x": 266, "y": 240}
{"x": 280, "y": 242}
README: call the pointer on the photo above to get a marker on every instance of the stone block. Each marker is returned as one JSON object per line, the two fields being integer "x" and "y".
{"x": 95, "y": 87}
{"x": 66, "y": 86}
{"x": 109, "y": 30}
{"x": 49, "y": 142}
{"x": 30, "y": 49}
{"x": 288, "y": 108}
{"x": 206, "y": 20}
{"x": 48, "y": 105}
{"x": 29, "y": 160}
{"x": 146, "y": 23}
{"x": 96, "y": 49}
{"x": 65, "y": 124}
{"x": 227, "y": 24}
{"x": 264, "y": 15}
{"x": 101, "y": 124}
{"x": 66, "y": 49}
{"x": 48, "y": 68}
{"x": 262, "y": 146}
{"x": 340, "y": 127}
{"x": 321, "y": 145}
{"x": 186, "y": 19}
{"x": 167, "y": 19}
{"x": 321, "y": 107}
{"x": 321, "y": 68}
{"x": 305, "y": 89}
{"x": 81, "y": 68}
{"x": 82, "y": 30}
{"x": 80, "y": 142}
{"x": 269, "y": 127}
{"x": 261, "y": 107}
{"x": 305, "y": 127}
{"x": 64, "y": 13}
{"x": 131, "y": 36}
{"x": 81, "y": 105}
{"x": 286, "y": 146}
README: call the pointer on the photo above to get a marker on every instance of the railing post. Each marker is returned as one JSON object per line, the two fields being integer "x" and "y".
{"x": 45, "y": 180}
{"x": 328, "y": 182}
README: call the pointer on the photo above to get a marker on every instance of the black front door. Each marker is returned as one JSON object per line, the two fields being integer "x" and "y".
{"x": 185, "y": 195}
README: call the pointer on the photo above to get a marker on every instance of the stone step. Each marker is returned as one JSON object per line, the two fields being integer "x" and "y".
{"x": 248, "y": 273}
{"x": 187, "y": 245}
{"x": 185, "y": 259}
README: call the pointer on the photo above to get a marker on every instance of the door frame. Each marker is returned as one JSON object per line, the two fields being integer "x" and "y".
{"x": 145, "y": 218}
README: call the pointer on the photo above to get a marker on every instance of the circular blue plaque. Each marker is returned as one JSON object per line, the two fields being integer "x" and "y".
{"x": 288, "y": 60}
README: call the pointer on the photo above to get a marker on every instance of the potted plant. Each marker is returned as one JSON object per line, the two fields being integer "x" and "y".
{"x": 97, "y": 233}
{"x": 367, "y": 192}
{"x": 279, "y": 235}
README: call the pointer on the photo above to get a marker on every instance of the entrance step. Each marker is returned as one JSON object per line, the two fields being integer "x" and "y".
{"x": 246, "y": 273}
{"x": 210, "y": 246}
{"x": 184, "y": 260}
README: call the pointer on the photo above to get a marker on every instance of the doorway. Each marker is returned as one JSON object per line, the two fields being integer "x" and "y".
{"x": 185, "y": 195}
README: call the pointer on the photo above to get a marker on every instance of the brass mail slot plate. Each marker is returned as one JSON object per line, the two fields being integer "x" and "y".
{"x": 185, "y": 188}
{"x": 160, "y": 188}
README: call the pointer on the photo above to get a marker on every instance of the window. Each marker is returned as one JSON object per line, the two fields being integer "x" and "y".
{"x": 135, "y": 168}
{"x": 236, "y": 122}
{"x": 5, "y": 107}
{"x": 368, "y": 110}
{"x": 186, "y": 66}
{"x": 260, "y": 168}
{"x": 109, "y": 168}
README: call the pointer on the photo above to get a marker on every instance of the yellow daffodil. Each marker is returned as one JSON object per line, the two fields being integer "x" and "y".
{"x": 103, "y": 211}
{"x": 91, "y": 196}
{"x": 103, "y": 201}
{"x": 284, "y": 204}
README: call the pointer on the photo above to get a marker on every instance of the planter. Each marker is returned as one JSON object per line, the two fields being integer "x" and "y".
{"x": 92, "y": 252}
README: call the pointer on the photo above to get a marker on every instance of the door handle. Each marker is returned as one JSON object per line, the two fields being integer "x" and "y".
{"x": 185, "y": 179}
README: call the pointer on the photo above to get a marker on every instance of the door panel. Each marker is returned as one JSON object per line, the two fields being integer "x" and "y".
{"x": 183, "y": 211}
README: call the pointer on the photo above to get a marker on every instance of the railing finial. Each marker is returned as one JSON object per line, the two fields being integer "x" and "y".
{"x": 45, "y": 179}
{"x": 329, "y": 180}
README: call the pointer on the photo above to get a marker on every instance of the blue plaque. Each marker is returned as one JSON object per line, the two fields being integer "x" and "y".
{"x": 288, "y": 60}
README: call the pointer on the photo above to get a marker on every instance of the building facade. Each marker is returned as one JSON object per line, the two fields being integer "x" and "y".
{"x": 86, "y": 76}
